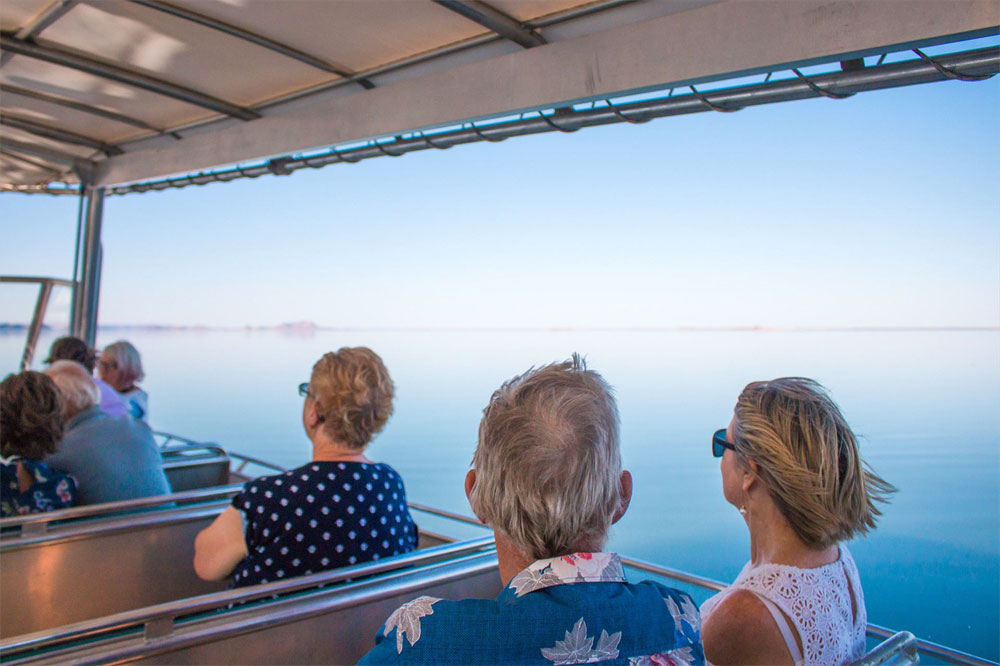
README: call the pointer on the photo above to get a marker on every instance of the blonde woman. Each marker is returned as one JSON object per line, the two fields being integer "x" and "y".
{"x": 340, "y": 509}
{"x": 791, "y": 465}
{"x": 121, "y": 367}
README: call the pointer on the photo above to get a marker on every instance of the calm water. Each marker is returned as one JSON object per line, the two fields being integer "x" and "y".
{"x": 926, "y": 404}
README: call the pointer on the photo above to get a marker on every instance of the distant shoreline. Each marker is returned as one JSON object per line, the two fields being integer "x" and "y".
{"x": 309, "y": 327}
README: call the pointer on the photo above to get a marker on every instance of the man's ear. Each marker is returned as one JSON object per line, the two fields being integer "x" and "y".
{"x": 470, "y": 482}
{"x": 625, "y": 488}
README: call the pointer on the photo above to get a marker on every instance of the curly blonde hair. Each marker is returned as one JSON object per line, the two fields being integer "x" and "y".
{"x": 808, "y": 460}
{"x": 353, "y": 393}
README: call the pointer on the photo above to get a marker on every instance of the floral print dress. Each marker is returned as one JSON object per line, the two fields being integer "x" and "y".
{"x": 51, "y": 489}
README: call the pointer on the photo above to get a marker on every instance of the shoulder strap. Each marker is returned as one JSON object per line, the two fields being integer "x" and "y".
{"x": 786, "y": 631}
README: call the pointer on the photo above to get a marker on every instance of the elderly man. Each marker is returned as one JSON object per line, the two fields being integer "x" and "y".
{"x": 547, "y": 478}
{"x": 69, "y": 348}
{"x": 112, "y": 458}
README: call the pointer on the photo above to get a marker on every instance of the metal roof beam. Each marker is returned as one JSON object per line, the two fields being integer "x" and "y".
{"x": 713, "y": 42}
{"x": 10, "y": 154}
{"x": 253, "y": 38}
{"x": 49, "y": 15}
{"x": 495, "y": 20}
{"x": 43, "y": 152}
{"x": 57, "y": 134}
{"x": 125, "y": 76}
{"x": 77, "y": 106}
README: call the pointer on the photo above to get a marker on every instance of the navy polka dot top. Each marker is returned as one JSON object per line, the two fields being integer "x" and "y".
{"x": 322, "y": 516}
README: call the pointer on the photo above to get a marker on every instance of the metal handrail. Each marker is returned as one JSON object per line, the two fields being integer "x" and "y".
{"x": 929, "y": 648}
{"x": 43, "y": 537}
{"x": 45, "y": 285}
{"x": 903, "y": 642}
{"x": 170, "y": 611}
{"x": 186, "y": 497}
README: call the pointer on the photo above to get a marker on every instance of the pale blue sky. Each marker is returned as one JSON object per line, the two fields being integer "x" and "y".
{"x": 879, "y": 210}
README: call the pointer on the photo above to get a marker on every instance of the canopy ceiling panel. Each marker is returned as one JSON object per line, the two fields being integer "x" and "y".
{"x": 158, "y": 110}
{"x": 15, "y": 14}
{"x": 530, "y": 10}
{"x": 358, "y": 34}
{"x": 144, "y": 89}
{"x": 74, "y": 120}
{"x": 180, "y": 51}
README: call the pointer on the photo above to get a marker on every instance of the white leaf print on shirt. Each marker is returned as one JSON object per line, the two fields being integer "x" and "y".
{"x": 576, "y": 647}
{"x": 687, "y": 612}
{"x": 529, "y": 580}
{"x": 406, "y": 620}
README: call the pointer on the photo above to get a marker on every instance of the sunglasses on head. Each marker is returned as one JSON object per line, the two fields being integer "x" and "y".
{"x": 719, "y": 443}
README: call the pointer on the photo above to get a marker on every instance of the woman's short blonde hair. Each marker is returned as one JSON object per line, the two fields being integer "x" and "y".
{"x": 127, "y": 358}
{"x": 808, "y": 460}
{"x": 353, "y": 393}
{"x": 548, "y": 464}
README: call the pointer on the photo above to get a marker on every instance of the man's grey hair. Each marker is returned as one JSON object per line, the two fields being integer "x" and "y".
{"x": 76, "y": 385}
{"x": 548, "y": 462}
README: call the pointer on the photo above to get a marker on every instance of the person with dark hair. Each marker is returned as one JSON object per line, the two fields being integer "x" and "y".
{"x": 69, "y": 348}
{"x": 340, "y": 509}
{"x": 31, "y": 425}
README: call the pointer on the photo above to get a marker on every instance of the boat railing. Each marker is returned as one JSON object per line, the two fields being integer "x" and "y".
{"x": 45, "y": 285}
{"x": 158, "y": 621}
{"x": 164, "y": 439}
{"x": 900, "y": 649}
{"x": 928, "y": 648}
{"x": 36, "y": 524}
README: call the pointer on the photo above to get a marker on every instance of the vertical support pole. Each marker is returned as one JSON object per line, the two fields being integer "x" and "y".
{"x": 89, "y": 285}
{"x": 77, "y": 297}
{"x": 35, "y": 329}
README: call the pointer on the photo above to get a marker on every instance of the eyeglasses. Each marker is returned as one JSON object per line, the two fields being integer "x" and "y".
{"x": 304, "y": 390}
{"x": 111, "y": 365}
{"x": 719, "y": 443}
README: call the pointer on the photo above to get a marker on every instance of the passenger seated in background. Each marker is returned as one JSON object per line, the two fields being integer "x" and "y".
{"x": 338, "y": 510}
{"x": 547, "y": 478}
{"x": 75, "y": 349}
{"x": 121, "y": 367}
{"x": 791, "y": 464}
{"x": 31, "y": 424}
{"x": 112, "y": 458}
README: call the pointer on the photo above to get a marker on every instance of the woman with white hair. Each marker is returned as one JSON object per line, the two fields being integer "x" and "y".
{"x": 791, "y": 465}
{"x": 112, "y": 459}
{"x": 547, "y": 477}
{"x": 121, "y": 367}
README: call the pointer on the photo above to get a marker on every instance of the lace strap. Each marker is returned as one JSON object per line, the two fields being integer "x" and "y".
{"x": 786, "y": 631}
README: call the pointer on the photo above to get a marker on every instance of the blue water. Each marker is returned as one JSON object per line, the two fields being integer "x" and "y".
{"x": 924, "y": 403}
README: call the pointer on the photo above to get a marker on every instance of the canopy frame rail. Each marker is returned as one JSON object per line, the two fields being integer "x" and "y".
{"x": 45, "y": 285}
{"x": 977, "y": 64}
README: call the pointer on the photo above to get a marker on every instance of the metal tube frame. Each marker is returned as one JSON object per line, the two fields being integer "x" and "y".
{"x": 977, "y": 62}
{"x": 87, "y": 292}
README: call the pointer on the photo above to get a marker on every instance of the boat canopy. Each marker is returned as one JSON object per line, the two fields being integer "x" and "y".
{"x": 145, "y": 94}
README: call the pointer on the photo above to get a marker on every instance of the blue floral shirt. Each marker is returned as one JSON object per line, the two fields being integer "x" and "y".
{"x": 575, "y": 609}
{"x": 51, "y": 489}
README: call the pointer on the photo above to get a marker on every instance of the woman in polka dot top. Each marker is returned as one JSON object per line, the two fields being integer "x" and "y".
{"x": 337, "y": 510}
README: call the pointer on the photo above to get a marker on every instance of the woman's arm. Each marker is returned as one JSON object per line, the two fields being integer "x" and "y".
{"x": 220, "y": 547}
{"x": 741, "y": 631}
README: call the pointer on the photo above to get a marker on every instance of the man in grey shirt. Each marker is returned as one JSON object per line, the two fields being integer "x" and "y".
{"x": 112, "y": 458}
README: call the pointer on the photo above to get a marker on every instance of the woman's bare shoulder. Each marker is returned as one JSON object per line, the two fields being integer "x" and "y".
{"x": 740, "y": 630}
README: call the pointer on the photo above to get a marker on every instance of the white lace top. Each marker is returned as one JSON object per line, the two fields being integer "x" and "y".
{"x": 818, "y": 601}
